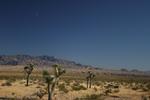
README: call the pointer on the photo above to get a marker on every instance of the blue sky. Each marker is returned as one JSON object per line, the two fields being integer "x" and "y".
{"x": 104, "y": 33}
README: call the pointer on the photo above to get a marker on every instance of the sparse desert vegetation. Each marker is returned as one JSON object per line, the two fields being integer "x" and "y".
{"x": 74, "y": 49}
{"x": 57, "y": 84}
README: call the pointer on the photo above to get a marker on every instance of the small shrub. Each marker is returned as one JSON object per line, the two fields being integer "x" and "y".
{"x": 38, "y": 86}
{"x": 40, "y": 93}
{"x": 91, "y": 97}
{"x": 145, "y": 88}
{"x": 95, "y": 89}
{"x": 148, "y": 86}
{"x": 78, "y": 87}
{"x": 67, "y": 82}
{"x": 62, "y": 88}
{"x": 144, "y": 98}
{"x": 116, "y": 86}
{"x": 115, "y": 90}
{"x": 107, "y": 91}
{"x": 41, "y": 84}
{"x": 13, "y": 93}
{"x": 134, "y": 88}
{"x": 97, "y": 83}
{"x": 22, "y": 82}
{"x": 7, "y": 83}
{"x": 28, "y": 98}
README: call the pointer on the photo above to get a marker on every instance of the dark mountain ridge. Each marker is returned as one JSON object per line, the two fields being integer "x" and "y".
{"x": 39, "y": 60}
{"x": 47, "y": 61}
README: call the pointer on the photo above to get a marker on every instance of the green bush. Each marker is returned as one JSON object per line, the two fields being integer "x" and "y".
{"x": 97, "y": 83}
{"x": 78, "y": 87}
{"x": 62, "y": 87}
{"x": 7, "y": 83}
{"x": 148, "y": 86}
{"x": 91, "y": 97}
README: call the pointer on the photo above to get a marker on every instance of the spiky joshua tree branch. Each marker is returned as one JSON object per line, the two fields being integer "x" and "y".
{"x": 52, "y": 80}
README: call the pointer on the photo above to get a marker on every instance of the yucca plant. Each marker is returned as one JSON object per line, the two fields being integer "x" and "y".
{"x": 89, "y": 78}
{"x": 49, "y": 79}
{"x": 28, "y": 70}
{"x": 58, "y": 71}
{"x": 52, "y": 80}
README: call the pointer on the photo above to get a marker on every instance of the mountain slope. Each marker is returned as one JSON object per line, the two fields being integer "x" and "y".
{"x": 39, "y": 60}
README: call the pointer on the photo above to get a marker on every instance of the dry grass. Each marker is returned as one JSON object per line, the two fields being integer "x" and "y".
{"x": 64, "y": 90}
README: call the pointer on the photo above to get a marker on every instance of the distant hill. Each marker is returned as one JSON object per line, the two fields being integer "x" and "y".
{"x": 47, "y": 61}
{"x": 39, "y": 60}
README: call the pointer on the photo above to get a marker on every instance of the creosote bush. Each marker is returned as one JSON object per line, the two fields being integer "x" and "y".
{"x": 63, "y": 88}
{"x": 91, "y": 97}
{"x": 77, "y": 87}
{"x": 7, "y": 83}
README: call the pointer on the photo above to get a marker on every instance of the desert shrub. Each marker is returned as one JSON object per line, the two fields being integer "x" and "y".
{"x": 13, "y": 93}
{"x": 115, "y": 90}
{"x": 41, "y": 84}
{"x": 111, "y": 88}
{"x": 28, "y": 98}
{"x": 9, "y": 98}
{"x": 144, "y": 89}
{"x": 91, "y": 97}
{"x": 95, "y": 89}
{"x": 77, "y": 87}
{"x": 40, "y": 93}
{"x": 7, "y": 83}
{"x": 116, "y": 86}
{"x": 67, "y": 82}
{"x": 38, "y": 86}
{"x": 135, "y": 88}
{"x": 12, "y": 80}
{"x": 107, "y": 91}
{"x": 144, "y": 98}
{"x": 62, "y": 87}
{"x": 97, "y": 83}
{"x": 148, "y": 86}
{"x": 21, "y": 82}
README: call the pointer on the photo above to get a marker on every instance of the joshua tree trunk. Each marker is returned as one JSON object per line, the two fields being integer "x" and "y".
{"x": 27, "y": 79}
{"x": 90, "y": 82}
{"x": 87, "y": 82}
{"x": 49, "y": 92}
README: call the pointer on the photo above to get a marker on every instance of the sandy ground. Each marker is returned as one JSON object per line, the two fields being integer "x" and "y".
{"x": 19, "y": 89}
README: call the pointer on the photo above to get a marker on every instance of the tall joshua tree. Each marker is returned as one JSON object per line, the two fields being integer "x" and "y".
{"x": 58, "y": 71}
{"x": 28, "y": 70}
{"x": 49, "y": 79}
{"x": 52, "y": 80}
{"x": 89, "y": 78}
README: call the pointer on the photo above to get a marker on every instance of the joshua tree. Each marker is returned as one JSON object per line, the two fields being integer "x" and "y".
{"x": 49, "y": 79}
{"x": 89, "y": 78}
{"x": 52, "y": 80}
{"x": 58, "y": 71}
{"x": 28, "y": 70}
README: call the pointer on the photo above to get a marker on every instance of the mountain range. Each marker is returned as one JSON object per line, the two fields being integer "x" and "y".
{"x": 39, "y": 60}
{"x": 47, "y": 61}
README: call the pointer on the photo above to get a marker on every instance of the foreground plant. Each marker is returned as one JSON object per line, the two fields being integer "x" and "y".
{"x": 52, "y": 80}
{"x": 28, "y": 70}
{"x": 89, "y": 78}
